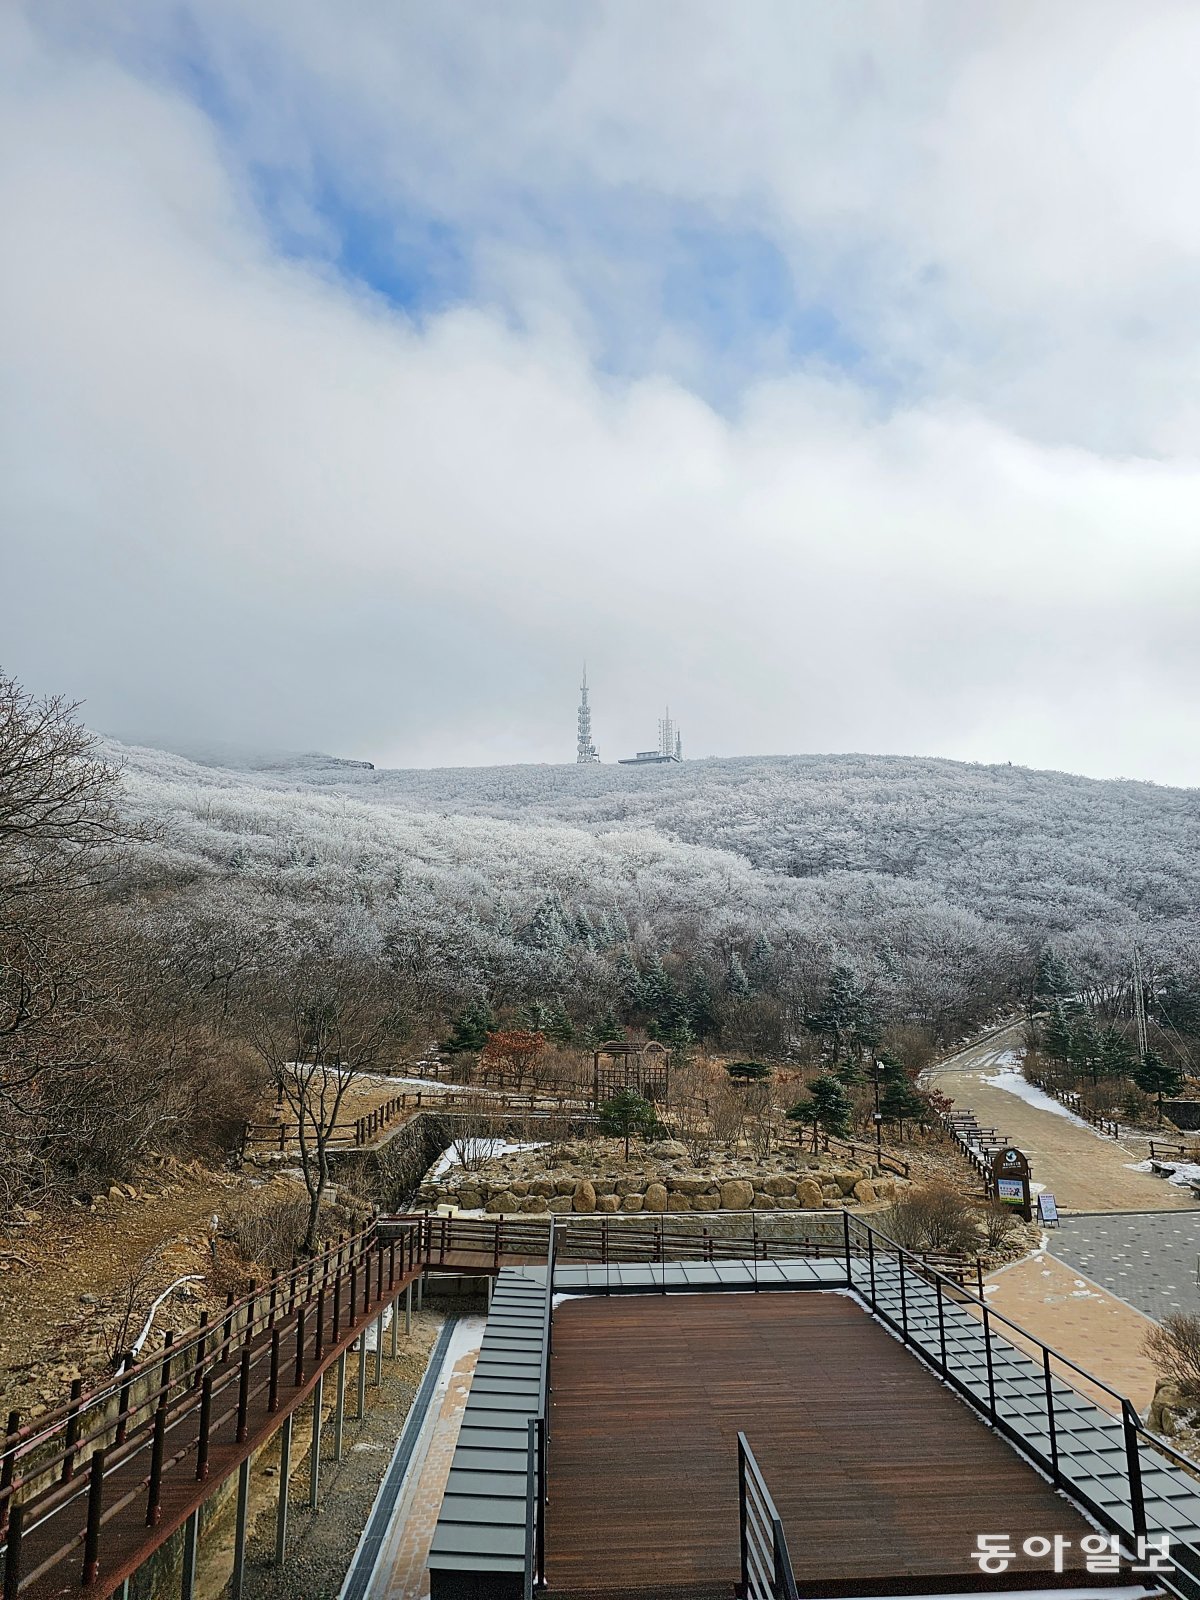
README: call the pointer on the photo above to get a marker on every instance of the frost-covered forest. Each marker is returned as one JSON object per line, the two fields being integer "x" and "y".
{"x": 746, "y": 880}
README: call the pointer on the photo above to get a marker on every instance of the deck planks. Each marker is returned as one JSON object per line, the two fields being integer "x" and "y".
{"x": 882, "y": 1477}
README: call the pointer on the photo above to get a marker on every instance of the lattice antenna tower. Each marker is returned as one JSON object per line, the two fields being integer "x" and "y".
{"x": 586, "y": 751}
{"x": 666, "y": 734}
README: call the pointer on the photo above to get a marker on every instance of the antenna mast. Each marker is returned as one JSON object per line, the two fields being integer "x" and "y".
{"x": 586, "y": 751}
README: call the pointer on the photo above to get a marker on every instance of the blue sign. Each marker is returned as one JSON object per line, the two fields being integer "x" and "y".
{"x": 1047, "y": 1210}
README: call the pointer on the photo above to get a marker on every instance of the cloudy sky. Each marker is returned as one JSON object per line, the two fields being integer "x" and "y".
{"x": 830, "y": 371}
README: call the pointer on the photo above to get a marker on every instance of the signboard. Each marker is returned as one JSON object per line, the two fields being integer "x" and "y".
{"x": 1010, "y": 1180}
{"x": 1047, "y": 1210}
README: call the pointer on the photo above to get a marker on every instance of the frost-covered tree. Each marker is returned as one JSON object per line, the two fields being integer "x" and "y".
{"x": 825, "y": 1109}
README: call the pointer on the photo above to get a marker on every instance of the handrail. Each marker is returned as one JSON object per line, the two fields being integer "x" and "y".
{"x": 766, "y": 1561}
{"x": 1023, "y": 1431}
{"x": 1073, "y": 1100}
{"x": 539, "y": 1441}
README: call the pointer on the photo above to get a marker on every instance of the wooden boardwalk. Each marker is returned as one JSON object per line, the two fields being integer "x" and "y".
{"x": 882, "y": 1477}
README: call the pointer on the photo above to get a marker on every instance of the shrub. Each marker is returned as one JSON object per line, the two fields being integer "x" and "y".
{"x": 1174, "y": 1349}
{"x": 748, "y": 1071}
{"x": 268, "y": 1226}
{"x": 998, "y": 1222}
{"x": 934, "y": 1216}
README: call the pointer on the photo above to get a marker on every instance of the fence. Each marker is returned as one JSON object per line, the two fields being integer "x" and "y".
{"x": 1073, "y": 1101}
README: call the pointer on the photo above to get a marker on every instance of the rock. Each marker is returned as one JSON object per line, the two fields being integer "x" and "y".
{"x": 737, "y": 1195}
{"x": 521, "y": 1188}
{"x": 764, "y": 1202}
{"x": 885, "y": 1188}
{"x": 808, "y": 1194}
{"x": 1167, "y": 1408}
{"x": 846, "y": 1180}
{"x": 584, "y": 1198}
{"x": 655, "y": 1197}
{"x": 632, "y": 1202}
{"x": 116, "y": 1192}
{"x": 534, "y": 1202}
{"x": 706, "y": 1202}
{"x": 864, "y": 1192}
{"x": 470, "y": 1199}
{"x": 669, "y": 1149}
{"x": 781, "y": 1186}
{"x": 689, "y": 1185}
{"x": 504, "y": 1201}
{"x": 543, "y": 1186}
{"x": 608, "y": 1202}
{"x": 560, "y": 1202}
{"x": 679, "y": 1202}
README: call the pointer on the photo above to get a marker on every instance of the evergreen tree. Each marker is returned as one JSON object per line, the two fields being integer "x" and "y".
{"x": 629, "y": 983}
{"x": 549, "y": 930}
{"x": 760, "y": 967}
{"x": 1116, "y": 1054}
{"x": 737, "y": 984}
{"x": 660, "y": 998}
{"x": 843, "y": 1018}
{"x": 900, "y": 1100}
{"x": 748, "y": 1071}
{"x": 1085, "y": 1047}
{"x": 627, "y": 1114}
{"x": 557, "y": 1025}
{"x": 1179, "y": 1005}
{"x": 470, "y": 1030}
{"x": 826, "y": 1108}
{"x": 1155, "y": 1076}
{"x": 1056, "y": 1034}
{"x": 1053, "y": 981}
{"x": 698, "y": 1002}
{"x": 585, "y": 930}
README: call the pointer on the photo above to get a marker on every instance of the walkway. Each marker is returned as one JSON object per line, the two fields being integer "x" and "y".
{"x": 1150, "y": 1261}
{"x": 1082, "y": 1169}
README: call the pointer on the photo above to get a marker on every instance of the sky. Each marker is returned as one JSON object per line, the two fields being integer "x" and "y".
{"x": 828, "y": 372}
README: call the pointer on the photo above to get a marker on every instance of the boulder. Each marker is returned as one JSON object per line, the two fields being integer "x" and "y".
{"x": 565, "y": 1185}
{"x": 846, "y": 1180}
{"x": 631, "y": 1202}
{"x": 670, "y": 1149}
{"x": 655, "y": 1197}
{"x": 543, "y": 1186}
{"x": 781, "y": 1186}
{"x": 808, "y": 1194}
{"x": 534, "y": 1202}
{"x": 679, "y": 1202}
{"x": 584, "y": 1198}
{"x": 764, "y": 1202}
{"x": 470, "y": 1199}
{"x": 737, "y": 1195}
{"x": 607, "y": 1202}
{"x": 630, "y": 1185}
{"x": 706, "y": 1202}
{"x": 521, "y": 1188}
{"x": 692, "y": 1185}
{"x": 502, "y": 1202}
{"x": 1167, "y": 1409}
{"x": 560, "y": 1202}
{"x": 864, "y": 1192}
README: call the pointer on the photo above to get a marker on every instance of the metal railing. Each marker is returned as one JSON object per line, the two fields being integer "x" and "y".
{"x": 67, "y": 1475}
{"x": 766, "y": 1564}
{"x": 981, "y": 1369}
{"x": 539, "y": 1443}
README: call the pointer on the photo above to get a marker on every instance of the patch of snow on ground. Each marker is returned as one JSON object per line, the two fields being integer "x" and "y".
{"x": 1013, "y": 1083}
{"x": 1183, "y": 1175}
{"x": 481, "y": 1150}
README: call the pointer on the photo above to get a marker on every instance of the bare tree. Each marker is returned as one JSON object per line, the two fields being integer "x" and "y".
{"x": 328, "y": 1021}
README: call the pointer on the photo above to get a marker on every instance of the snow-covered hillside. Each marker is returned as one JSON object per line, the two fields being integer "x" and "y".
{"x": 930, "y": 877}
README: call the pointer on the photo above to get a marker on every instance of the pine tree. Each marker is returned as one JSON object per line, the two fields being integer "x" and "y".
{"x": 558, "y": 1026}
{"x": 826, "y": 1108}
{"x": 737, "y": 984}
{"x": 1155, "y": 1076}
{"x": 585, "y": 930}
{"x": 1056, "y": 1034}
{"x": 899, "y": 1098}
{"x": 1053, "y": 981}
{"x": 471, "y": 1029}
{"x": 843, "y": 1016}
{"x": 1179, "y": 1005}
{"x": 629, "y": 983}
{"x": 699, "y": 1003}
{"x": 1116, "y": 1054}
{"x": 748, "y": 1071}
{"x": 625, "y": 1114}
{"x": 760, "y": 967}
{"x": 1085, "y": 1047}
{"x": 660, "y": 998}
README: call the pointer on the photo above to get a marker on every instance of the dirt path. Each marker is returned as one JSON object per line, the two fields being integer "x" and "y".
{"x": 1082, "y": 1169}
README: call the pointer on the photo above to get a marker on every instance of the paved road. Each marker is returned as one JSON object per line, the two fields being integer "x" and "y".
{"x": 1082, "y": 1169}
{"x": 1151, "y": 1262}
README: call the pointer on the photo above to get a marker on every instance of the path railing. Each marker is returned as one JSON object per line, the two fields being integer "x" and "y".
{"x": 104, "y": 1479}
{"x": 766, "y": 1563}
{"x": 1073, "y": 1100}
{"x": 539, "y": 1443}
{"x": 1084, "y": 1434}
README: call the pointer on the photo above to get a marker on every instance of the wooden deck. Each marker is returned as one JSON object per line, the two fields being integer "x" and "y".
{"x": 883, "y": 1479}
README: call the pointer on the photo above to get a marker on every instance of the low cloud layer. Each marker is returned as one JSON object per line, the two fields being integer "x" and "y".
{"x": 254, "y": 489}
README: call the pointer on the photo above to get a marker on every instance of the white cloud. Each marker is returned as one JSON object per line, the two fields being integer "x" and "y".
{"x": 244, "y": 498}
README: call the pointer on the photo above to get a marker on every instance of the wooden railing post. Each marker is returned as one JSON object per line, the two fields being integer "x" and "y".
{"x": 12, "y": 1551}
{"x": 8, "y": 1468}
{"x": 72, "y": 1439}
{"x": 273, "y": 1386}
{"x": 205, "y": 1428}
{"x": 154, "y": 1499}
